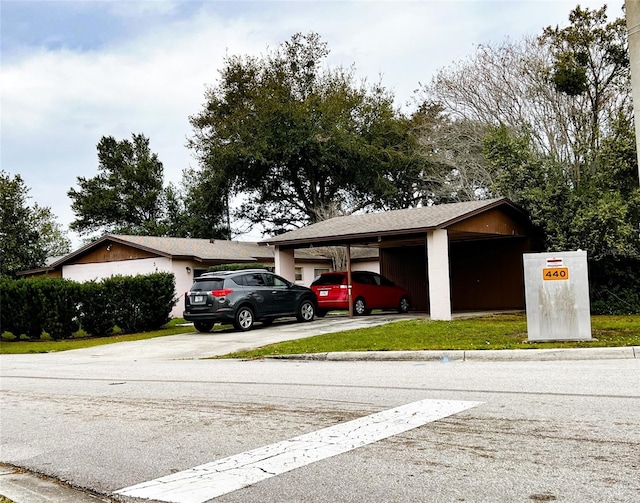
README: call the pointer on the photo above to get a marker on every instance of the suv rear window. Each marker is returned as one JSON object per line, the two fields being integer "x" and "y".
{"x": 207, "y": 285}
{"x": 329, "y": 279}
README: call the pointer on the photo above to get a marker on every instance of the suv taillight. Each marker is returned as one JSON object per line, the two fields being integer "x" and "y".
{"x": 221, "y": 293}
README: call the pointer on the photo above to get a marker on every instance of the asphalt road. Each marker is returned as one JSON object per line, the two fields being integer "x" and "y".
{"x": 108, "y": 418}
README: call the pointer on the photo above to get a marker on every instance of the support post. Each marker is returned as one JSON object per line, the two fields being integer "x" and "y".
{"x": 349, "y": 287}
{"x": 285, "y": 264}
{"x": 438, "y": 270}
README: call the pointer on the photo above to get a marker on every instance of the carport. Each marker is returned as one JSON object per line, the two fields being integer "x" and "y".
{"x": 451, "y": 257}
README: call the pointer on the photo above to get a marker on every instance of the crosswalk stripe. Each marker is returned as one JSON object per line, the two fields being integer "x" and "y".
{"x": 226, "y": 475}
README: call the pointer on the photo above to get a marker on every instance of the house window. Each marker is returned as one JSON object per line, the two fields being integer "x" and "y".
{"x": 298, "y": 273}
{"x": 318, "y": 272}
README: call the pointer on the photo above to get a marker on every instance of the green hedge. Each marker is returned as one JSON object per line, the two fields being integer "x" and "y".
{"x": 96, "y": 310}
{"x": 59, "y": 303}
{"x": 21, "y": 310}
{"x": 614, "y": 285}
{"x": 141, "y": 303}
{"x": 60, "y": 307}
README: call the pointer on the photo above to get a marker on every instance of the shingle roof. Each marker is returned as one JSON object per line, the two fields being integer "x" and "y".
{"x": 197, "y": 249}
{"x": 206, "y": 250}
{"x": 202, "y": 249}
{"x": 389, "y": 222}
{"x": 352, "y": 227}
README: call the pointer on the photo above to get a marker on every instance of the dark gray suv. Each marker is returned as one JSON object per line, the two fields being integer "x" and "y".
{"x": 243, "y": 297}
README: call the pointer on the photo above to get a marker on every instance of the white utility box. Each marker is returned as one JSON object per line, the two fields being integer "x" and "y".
{"x": 557, "y": 296}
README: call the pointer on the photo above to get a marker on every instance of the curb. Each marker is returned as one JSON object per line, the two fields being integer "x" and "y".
{"x": 22, "y": 486}
{"x": 494, "y": 355}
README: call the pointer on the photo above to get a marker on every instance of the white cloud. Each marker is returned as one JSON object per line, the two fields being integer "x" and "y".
{"x": 58, "y": 103}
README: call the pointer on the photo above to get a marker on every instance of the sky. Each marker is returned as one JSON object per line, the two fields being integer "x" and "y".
{"x": 75, "y": 71}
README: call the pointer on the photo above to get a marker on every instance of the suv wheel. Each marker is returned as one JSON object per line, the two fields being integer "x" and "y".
{"x": 203, "y": 326}
{"x": 359, "y": 307}
{"x": 244, "y": 319}
{"x": 306, "y": 311}
{"x": 404, "y": 305}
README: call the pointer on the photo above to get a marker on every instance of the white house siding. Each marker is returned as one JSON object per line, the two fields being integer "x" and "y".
{"x": 101, "y": 270}
{"x": 184, "y": 280}
{"x": 308, "y": 272}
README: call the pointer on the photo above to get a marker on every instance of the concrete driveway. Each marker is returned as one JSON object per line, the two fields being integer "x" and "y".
{"x": 222, "y": 342}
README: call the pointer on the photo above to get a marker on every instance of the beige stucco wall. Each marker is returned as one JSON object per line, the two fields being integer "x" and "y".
{"x": 101, "y": 270}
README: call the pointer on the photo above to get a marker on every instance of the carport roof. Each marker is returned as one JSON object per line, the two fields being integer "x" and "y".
{"x": 371, "y": 226}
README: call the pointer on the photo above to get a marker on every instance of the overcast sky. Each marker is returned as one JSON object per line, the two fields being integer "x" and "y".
{"x": 73, "y": 71}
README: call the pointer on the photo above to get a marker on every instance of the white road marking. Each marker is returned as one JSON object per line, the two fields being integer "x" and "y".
{"x": 226, "y": 475}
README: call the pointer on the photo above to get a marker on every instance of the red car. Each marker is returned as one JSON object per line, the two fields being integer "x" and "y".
{"x": 369, "y": 291}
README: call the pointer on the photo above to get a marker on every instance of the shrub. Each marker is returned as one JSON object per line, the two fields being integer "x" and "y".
{"x": 141, "y": 303}
{"x": 59, "y": 306}
{"x": 59, "y": 302}
{"x": 21, "y": 307}
{"x": 615, "y": 285}
{"x": 158, "y": 303}
{"x": 96, "y": 312}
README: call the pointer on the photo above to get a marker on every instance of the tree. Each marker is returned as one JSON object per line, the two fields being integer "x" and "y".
{"x": 531, "y": 180}
{"x": 503, "y": 84}
{"x": 204, "y": 207}
{"x": 291, "y": 138}
{"x": 562, "y": 89}
{"x": 53, "y": 238}
{"x": 554, "y": 118}
{"x": 546, "y": 109}
{"x": 28, "y": 235}
{"x": 602, "y": 215}
{"x": 457, "y": 168}
{"x": 591, "y": 66}
{"x": 127, "y": 195}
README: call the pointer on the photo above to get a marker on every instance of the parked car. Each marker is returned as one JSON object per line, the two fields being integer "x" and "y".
{"x": 244, "y": 297}
{"x": 369, "y": 291}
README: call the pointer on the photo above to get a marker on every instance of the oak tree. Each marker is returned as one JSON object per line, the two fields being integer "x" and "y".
{"x": 287, "y": 138}
{"x": 28, "y": 234}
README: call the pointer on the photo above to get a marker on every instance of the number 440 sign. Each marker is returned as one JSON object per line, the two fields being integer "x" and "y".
{"x": 555, "y": 270}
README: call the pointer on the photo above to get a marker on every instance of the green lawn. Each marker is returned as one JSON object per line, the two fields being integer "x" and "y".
{"x": 489, "y": 332}
{"x": 507, "y": 331}
{"x": 8, "y": 344}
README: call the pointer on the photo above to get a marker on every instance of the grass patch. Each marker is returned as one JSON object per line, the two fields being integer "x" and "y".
{"x": 489, "y": 332}
{"x": 10, "y": 345}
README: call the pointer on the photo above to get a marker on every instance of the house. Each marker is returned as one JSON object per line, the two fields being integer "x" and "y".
{"x": 458, "y": 256}
{"x": 186, "y": 258}
{"x": 451, "y": 257}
